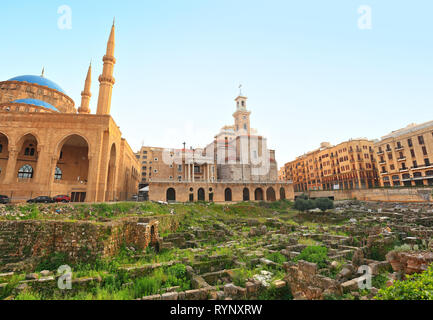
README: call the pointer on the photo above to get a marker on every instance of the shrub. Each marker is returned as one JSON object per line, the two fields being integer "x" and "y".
{"x": 274, "y": 293}
{"x": 324, "y": 204}
{"x": 415, "y": 287}
{"x": 314, "y": 254}
{"x": 276, "y": 257}
{"x": 304, "y": 205}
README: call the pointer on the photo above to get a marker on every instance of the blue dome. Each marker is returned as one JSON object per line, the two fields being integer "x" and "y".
{"x": 37, "y": 103}
{"x": 38, "y": 80}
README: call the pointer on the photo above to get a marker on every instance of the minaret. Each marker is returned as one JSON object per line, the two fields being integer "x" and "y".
{"x": 86, "y": 94}
{"x": 242, "y": 115}
{"x": 106, "y": 79}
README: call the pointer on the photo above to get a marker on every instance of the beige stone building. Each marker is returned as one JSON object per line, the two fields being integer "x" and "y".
{"x": 404, "y": 156}
{"x": 348, "y": 165}
{"x": 236, "y": 166}
{"x": 48, "y": 147}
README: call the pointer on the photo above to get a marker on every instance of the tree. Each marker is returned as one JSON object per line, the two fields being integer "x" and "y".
{"x": 304, "y": 205}
{"x": 324, "y": 204}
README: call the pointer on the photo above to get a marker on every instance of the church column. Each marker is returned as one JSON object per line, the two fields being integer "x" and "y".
{"x": 11, "y": 165}
{"x": 208, "y": 172}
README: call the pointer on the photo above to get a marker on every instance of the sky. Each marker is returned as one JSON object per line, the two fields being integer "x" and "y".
{"x": 313, "y": 71}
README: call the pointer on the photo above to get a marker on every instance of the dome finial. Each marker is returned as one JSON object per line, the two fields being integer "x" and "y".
{"x": 43, "y": 71}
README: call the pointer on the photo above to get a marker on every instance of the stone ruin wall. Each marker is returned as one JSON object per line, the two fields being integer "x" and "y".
{"x": 24, "y": 243}
{"x": 384, "y": 195}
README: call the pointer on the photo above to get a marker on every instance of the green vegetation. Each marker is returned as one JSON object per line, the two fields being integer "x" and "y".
{"x": 314, "y": 254}
{"x": 414, "y": 287}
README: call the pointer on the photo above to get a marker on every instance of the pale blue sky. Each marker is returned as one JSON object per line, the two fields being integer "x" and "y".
{"x": 310, "y": 73}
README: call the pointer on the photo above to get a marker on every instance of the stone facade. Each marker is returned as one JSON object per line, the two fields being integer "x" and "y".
{"x": 220, "y": 192}
{"x": 346, "y": 166}
{"x": 48, "y": 148}
{"x": 404, "y": 156}
{"x": 385, "y": 195}
{"x": 236, "y": 166}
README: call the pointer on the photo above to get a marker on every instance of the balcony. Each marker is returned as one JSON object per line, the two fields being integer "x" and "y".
{"x": 379, "y": 153}
{"x": 399, "y": 148}
{"x": 382, "y": 162}
{"x": 422, "y": 167}
{"x": 404, "y": 169}
{"x": 388, "y": 150}
{"x": 401, "y": 159}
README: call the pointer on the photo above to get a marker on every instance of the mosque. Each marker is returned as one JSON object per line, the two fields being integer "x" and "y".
{"x": 49, "y": 147}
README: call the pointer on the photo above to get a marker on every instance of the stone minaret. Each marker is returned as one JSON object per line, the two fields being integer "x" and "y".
{"x": 86, "y": 94}
{"x": 106, "y": 79}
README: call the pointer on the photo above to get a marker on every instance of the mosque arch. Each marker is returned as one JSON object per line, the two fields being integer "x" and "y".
{"x": 72, "y": 160}
{"x": 4, "y": 154}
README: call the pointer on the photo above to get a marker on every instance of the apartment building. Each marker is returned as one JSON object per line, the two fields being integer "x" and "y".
{"x": 348, "y": 165}
{"x": 404, "y": 156}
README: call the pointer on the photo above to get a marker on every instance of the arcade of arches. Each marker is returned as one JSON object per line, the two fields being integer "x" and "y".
{"x": 219, "y": 192}
{"x": 90, "y": 163}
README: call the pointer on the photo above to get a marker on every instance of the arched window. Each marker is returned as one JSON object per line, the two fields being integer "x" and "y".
{"x": 171, "y": 194}
{"x": 246, "y": 194}
{"x": 25, "y": 172}
{"x": 58, "y": 174}
{"x": 1, "y": 148}
{"x": 27, "y": 151}
{"x": 32, "y": 151}
{"x": 228, "y": 194}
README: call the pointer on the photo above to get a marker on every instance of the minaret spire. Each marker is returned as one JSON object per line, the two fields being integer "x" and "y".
{"x": 106, "y": 79}
{"x": 86, "y": 94}
{"x": 43, "y": 71}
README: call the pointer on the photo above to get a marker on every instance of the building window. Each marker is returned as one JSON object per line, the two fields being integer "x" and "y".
{"x": 156, "y": 159}
{"x": 412, "y": 153}
{"x": 409, "y": 142}
{"x": 25, "y": 172}
{"x": 1, "y": 148}
{"x": 421, "y": 139}
{"x": 155, "y": 171}
{"x": 424, "y": 151}
{"x": 427, "y": 162}
{"x": 58, "y": 174}
{"x": 171, "y": 177}
{"x": 179, "y": 168}
{"x": 179, "y": 178}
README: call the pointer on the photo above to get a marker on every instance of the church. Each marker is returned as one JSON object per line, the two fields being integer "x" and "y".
{"x": 49, "y": 147}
